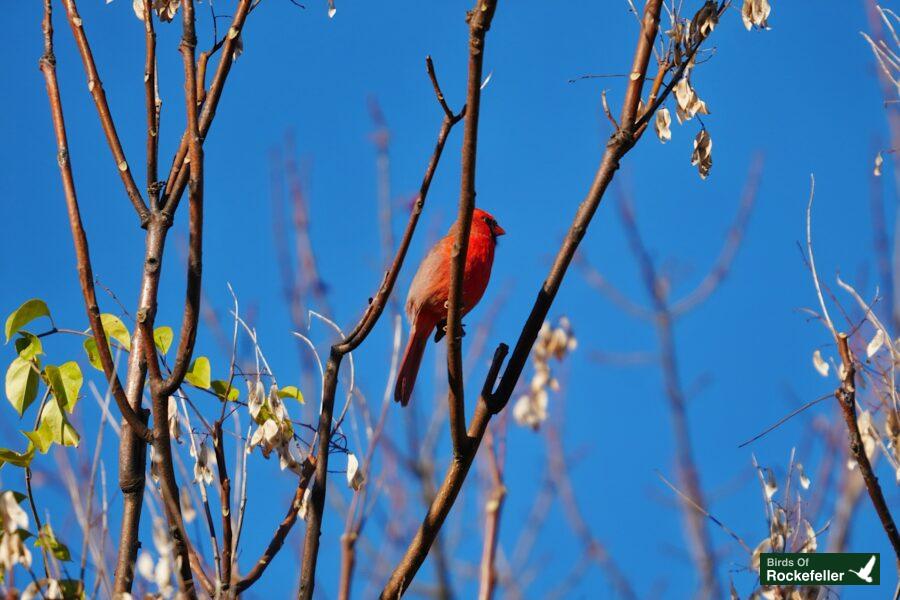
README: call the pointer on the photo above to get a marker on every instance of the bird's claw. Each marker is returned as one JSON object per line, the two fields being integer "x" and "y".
{"x": 441, "y": 330}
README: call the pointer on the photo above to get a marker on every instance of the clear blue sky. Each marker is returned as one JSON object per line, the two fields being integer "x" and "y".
{"x": 803, "y": 94}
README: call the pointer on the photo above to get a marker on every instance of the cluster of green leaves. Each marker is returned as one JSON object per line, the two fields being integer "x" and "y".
{"x": 25, "y": 376}
{"x": 62, "y": 383}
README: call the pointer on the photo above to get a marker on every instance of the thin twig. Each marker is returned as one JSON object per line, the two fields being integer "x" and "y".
{"x": 356, "y": 336}
{"x": 95, "y": 87}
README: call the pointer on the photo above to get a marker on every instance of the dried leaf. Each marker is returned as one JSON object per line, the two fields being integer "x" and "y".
{"x": 704, "y": 20}
{"x": 702, "y": 155}
{"x": 764, "y": 546}
{"x": 663, "y": 124}
{"x": 811, "y": 541}
{"x": 303, "y": 509}
{"x": 174, "y": 426}
{"x": 821, "y": 366}
{"x": 187, "y": 506}
{"x": 771, "y": 484}
{"x": 355, "y": 477}
{"x": 867, "y": 431}
{"x": 166, "y": 9}
{"x": 687, "y": 102}
{"x": 11, "y": 513}
{"x": 876, "y": 344}
{"x": 755, "y": 13}
{"x": 804, "y": 479}
{"x": 145, "y": 565}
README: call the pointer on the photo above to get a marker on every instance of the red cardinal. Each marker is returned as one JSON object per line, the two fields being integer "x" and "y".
{"x": 426, "y": 305}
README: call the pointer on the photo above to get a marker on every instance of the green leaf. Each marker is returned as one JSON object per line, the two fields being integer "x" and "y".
{"x": 21, "y": 384}
{"x": 39, "y": 441}
{"x": 93, "y": 355}
{"x": 72, "y": 589}
{"x": 290, "y": 391}
{"x": 65, "y": 383}
{"x": 220, "y": 388}
{"x": 115, "y": 329}
{"x": 25, "y": 314}
{"x": 54, "y": 428}
{"x": 47, "y": 540}
{"x": 162, "y": 337}
{"x": 23, "y": 534}
{"x": 199, "y": 372}
{"x": 28, "y": 345}
{"x": 16, "y": 459}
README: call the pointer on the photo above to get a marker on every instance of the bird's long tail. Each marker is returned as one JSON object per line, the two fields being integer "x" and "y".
{"x": 409, "y": 365}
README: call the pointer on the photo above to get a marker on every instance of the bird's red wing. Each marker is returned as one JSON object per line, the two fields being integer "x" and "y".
{"x": 428, "y": 290}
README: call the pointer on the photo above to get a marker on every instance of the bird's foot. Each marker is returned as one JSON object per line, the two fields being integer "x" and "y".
{"x": 441, "y": 330}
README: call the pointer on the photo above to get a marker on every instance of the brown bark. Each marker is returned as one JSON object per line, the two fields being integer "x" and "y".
{"x": 351, "y": 342}
{"x": 846, "y": 395}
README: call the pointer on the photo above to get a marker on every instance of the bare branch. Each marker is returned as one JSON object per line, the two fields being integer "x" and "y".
{"x": 338, "y": 351}
{"x": 79, "y": 237}
{"x": 191, "y": 314}
{"x": 277, "y": 541}
{"x": 179, "y": 173}
{"x": 493, "y": 507}
{"x": 846, "y": 395}
{"x": 688, "y": 475}
{"x": 479, "y": 19}
{"x": 95, "y": 87}
{"x": 152, "y": 104}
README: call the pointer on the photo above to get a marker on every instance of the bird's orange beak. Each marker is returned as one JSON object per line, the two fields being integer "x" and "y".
{"x": 498, "y": 231}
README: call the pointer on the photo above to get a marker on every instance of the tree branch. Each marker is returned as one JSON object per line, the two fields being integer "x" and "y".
{"x": 225, "y": 499}
{"x": 846, "y": 395}
{"x": 493, "y": 507}
{"x": 698, "y": 533}
{"x": 79, "y": 237}
{"x": 95, "y": 87}
{"x": 152, "y": 107}
{"x": 284, "y": 528}
{"x": 191, "y": 315}
{"x": 351, "y": 342}
{"x": 161, "y": 389}
{"x": 179, "y": 173}
{"x": 619, "y": 145}
{"x": 479, "y": 19}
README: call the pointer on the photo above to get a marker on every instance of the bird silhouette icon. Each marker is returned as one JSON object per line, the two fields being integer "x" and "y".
{"x": 866, "y": 572}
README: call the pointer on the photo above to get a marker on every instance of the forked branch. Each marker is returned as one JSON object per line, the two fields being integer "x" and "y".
{"x": 79, "y": 237}
{"x": 491, "y": 403}
{"x": 95, "y": 87}
{"x": 351, "y": 342}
